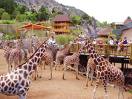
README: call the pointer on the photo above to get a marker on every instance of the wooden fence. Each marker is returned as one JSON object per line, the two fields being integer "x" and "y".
{"x": 107, "y": 50}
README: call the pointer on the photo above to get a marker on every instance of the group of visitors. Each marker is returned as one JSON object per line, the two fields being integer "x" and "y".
{"x": 118, "y": 42}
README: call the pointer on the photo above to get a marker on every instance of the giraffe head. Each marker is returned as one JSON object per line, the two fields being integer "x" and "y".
{"x": 90, "y": 49}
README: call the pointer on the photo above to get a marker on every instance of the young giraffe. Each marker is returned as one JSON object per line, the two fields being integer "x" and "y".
{"x": 47, "y": 59}
{"x": 17, "y": 81}
{"x": 106, "y": 73}
{"x": 91, "y": 67}
{"x": 61, "y": 54}
{"x": 72, "y": 59}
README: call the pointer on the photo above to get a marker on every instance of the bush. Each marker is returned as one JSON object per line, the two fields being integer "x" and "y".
{"x": 5, "y": 16}
{"x": 7, "y": 21}
{"x": 21, "y": 17}
{"x": 64, "y": 39}
{"x": 9, "y": 36}
{"x": 76, "y": 20}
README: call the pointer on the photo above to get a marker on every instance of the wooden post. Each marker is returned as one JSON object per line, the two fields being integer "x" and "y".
{"x": 107, "y": 53}
{"x": 131, "y": 54}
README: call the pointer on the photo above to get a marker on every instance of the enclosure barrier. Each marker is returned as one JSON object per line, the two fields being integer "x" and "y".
{"x": 107, "y": 50}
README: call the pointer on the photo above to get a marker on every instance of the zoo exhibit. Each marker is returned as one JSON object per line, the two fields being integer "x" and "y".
{"x": 52, "y": 51}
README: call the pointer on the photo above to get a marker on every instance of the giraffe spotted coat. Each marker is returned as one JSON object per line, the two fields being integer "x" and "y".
{"x": 17, "y": 81}
{"x": 106, "y": 73}
{"x": 72, "y": 60}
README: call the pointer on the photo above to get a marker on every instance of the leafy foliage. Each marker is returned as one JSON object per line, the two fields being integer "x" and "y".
{"x": 87, "y": 18}
{"x": 5, "y": 16}
{"x": 30, "y": 16}
{"x": 1, "y": 11}
{"x": 76, "y": 20}
{"x": 7, "y": 21}
{"x": 21, "y": 17}
{"x": 103, "y": 24}
{"x": 43, "y": 14}
{"x": 64, "y": 39}
{"x": 8, "y": 5}
{"x": 8, "y": 36}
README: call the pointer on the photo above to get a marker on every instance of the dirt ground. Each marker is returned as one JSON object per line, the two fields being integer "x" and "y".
{"x": 57, "y": 88}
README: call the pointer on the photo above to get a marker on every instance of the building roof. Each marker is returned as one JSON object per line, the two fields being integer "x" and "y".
{"x": 61, "y": 18}
{"x": 105, "y": 31}
{"x": 128, "y": 20}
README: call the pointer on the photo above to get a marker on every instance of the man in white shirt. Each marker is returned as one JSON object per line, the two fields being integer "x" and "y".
{"x": 51, "y": 41}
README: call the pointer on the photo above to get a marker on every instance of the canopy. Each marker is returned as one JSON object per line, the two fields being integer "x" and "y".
{"x": 35, "y": 27}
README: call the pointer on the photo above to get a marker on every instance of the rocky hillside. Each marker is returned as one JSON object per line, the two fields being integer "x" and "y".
{"x": 51, "y": 4}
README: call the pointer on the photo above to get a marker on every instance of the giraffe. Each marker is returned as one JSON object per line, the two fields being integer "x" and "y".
{"x": 91, "y": 67}
{"x": 14, "y": 56}
{"x": 61, "y": 54}
{"x": 72, "y": 60}
{"x": 17, "y": 81}
{"x": 48, "y": 58}
{"x": 105, "y": 73}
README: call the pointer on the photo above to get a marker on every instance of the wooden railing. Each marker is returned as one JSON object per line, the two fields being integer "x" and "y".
{"x": 107, "y": 50}
{"x": 61, "y": 30}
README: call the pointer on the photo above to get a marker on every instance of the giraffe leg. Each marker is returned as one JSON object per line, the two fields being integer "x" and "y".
{"x": 92, "y": 73}
{"x": 35, "y": 74}
{"x": 22, "y": 97}
{"x": 87, "y": 74}
{"x": 105, "y": 88}
{"x": 77, "y": 72}
{"x": 121, "y": 92}
{"x": 51, "y": 65}
{"x": 56, "y": 64}
{"x": 94, "y": 91}
{"x": 65, "y": 68}
{"x": 41, "y": 68}
{"x": 43, "y": 65}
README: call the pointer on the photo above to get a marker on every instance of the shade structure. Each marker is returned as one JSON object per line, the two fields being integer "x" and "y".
{"x": 35, "y": 27}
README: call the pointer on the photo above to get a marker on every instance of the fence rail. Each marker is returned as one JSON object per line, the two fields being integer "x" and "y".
{"x": 107, "y": 50}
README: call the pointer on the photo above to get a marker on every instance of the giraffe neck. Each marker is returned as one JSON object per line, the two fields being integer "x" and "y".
{"x": 34, "y": 60}
{"x": 98, "y": 60}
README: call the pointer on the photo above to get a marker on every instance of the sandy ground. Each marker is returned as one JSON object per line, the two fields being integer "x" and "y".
{"x": 57, "y": 88}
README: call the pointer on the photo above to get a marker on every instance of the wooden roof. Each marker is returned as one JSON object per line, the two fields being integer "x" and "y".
{"x": 35, "y": 26}
{"x": 104, "y": 31}
{"x": 61, "y": 18}
{"x": 128, "y": 20}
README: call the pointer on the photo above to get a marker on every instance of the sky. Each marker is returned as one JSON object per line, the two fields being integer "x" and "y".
{"x": 103, "y": 10}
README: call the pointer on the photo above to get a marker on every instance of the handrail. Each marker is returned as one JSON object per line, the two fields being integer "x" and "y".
{"x": 107, "y": 50}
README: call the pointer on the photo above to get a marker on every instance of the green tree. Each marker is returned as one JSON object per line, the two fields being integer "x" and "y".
{"x": 1, "y": 12}
{"x": 8, "y": 5}
{"x": 22, "y": 9}
{"x": 21, "y": 17}
{"x": 5, "y": 16}
{"x": 43, "y": 14}
{"x": 15, "y": 13}
{"x": 102, "y": 24}
{"x": 76, "y": 20}
{"x": 31, "y": 16}
{"x": 87, "y": 18}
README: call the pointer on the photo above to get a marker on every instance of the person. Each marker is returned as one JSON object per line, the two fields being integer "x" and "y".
{"x": 125, "y": 40}
{"x": 35, "y": 42}
{"x": 120, "y": 45}
{"x": 94, "y": 42}
{"x": 34, "y": 39}
{"x": 111, "y": 41}
{"x": 51, "y": 40}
